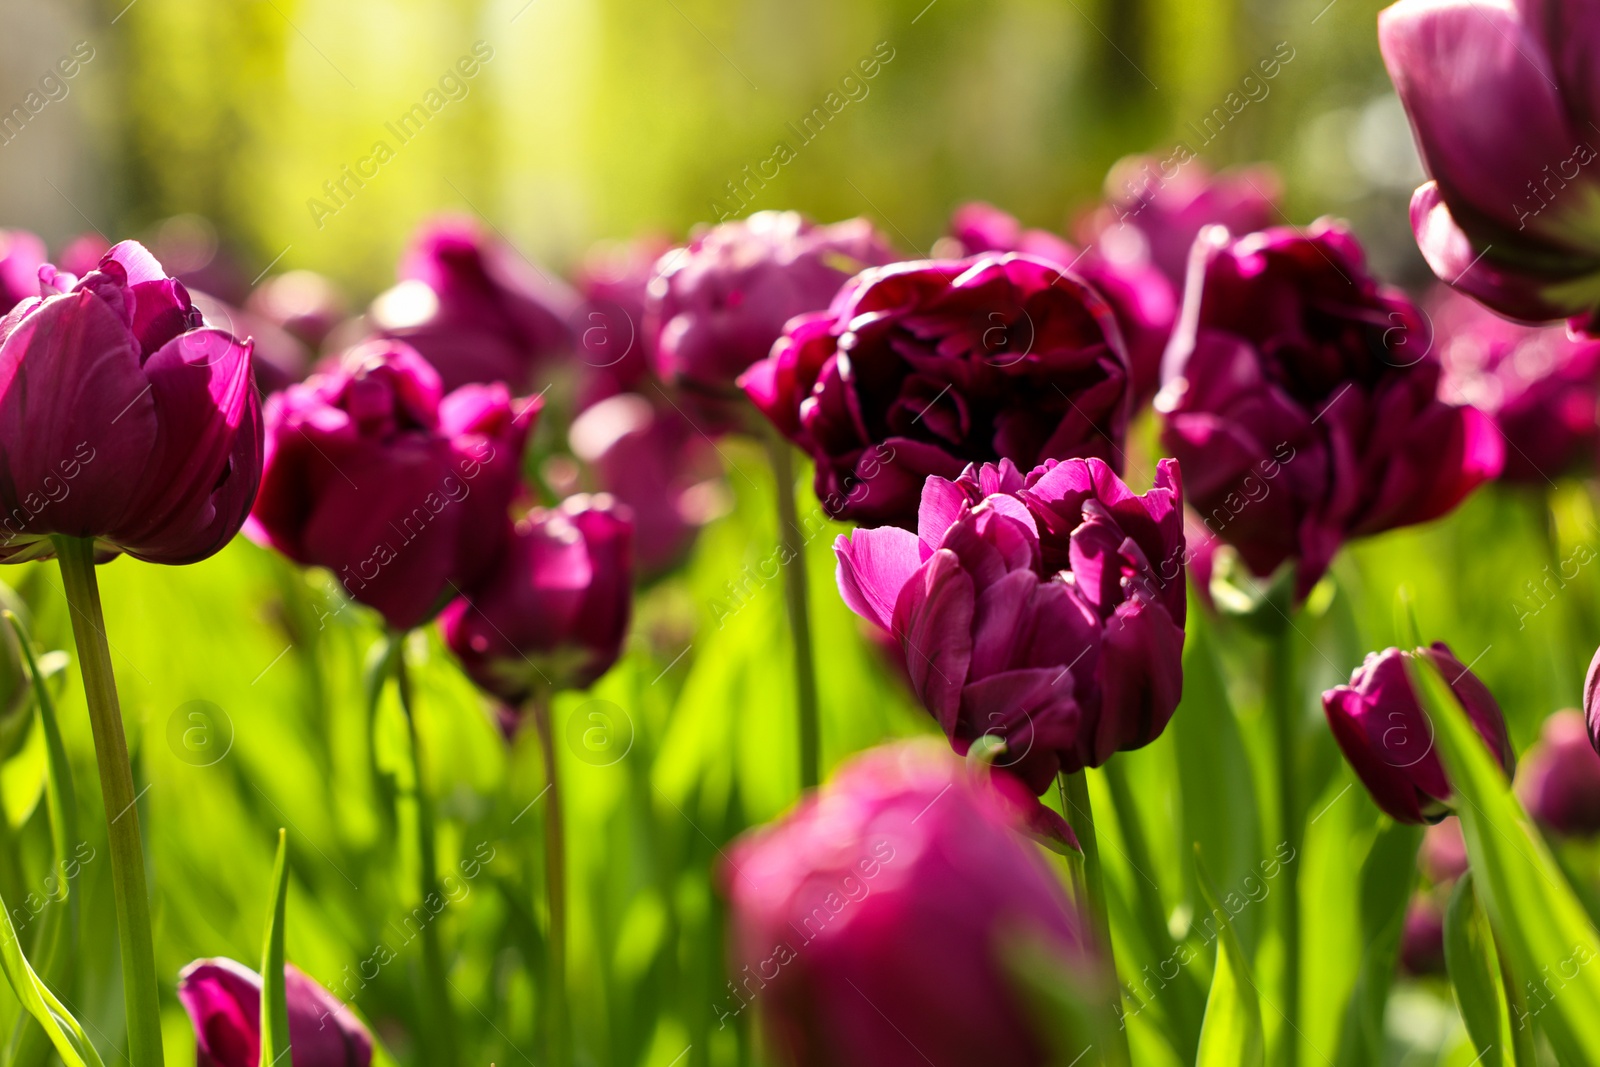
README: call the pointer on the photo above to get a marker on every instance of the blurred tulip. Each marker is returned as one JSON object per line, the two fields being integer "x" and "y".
{"x": 554, "y": 611}
{"x": 1013, "y": 584}
{"x": 122, "y": 418}
{"x": 716, "y": 306}
{"x": 1503, "y": 101}
{"x": 223, "y": 999}
{"x": 614, "y": 348}
{"x": 1541, "y": 387}
{"x": 1443, "y": 856}
{"x": 657, "y": 465}
{"x": 474, "y": 308}
{"x": 277, "y": 357}
{"x": 871, "y": 926}
{"x": 401, "y": 492}
{"x": 303, "y": 302}
{"x": 1141, "y": 297}
{"x": 83, "y": 253}
{"x": 1560, "y": 780}
{"x": 1422, "y": 938}
{"x": 921, "y": 368}
{"x": 21, "y": 256}
{"x": 1388, "y": 739}
{"x": 1302, "y": 399}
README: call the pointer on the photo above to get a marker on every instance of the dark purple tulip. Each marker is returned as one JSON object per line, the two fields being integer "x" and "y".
{"x": 277, "y": 358}
{"x": 654, "y": 462}
{"x": 403, "y": 493}
{"x": 1302, "y": 399}
{"x": 1142, "y": 299}
{"x": 21, "y": 256}
{"x": 717, "y": 305}
{"x": 223, "y": 999}
{"x": 1388, "y": 739}
{"x": 1541, "y": 386}
{"x": 1422, "y": 939}
{"x": 871, "y": 926}
{"x": 921, "y": 368}
{"x": 1047, "y": 610}
{"x": 554, "y": 612}
{"x": 474, "y": 308}
{"x": 1560, "y": 780}
{"x": 1503, "y": 102}
{"x": 303, "y": 302}
{"x": 123, "y": 418}
{"x": 614, "y": 347}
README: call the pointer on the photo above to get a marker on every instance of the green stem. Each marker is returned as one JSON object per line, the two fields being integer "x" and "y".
{"x": 796, "y": 598}
{"x": 139, "y": 983}
{"x": 1279, "y": 678}
{"x": 1081, "y": 815}
{"x": 555, "y": 875}
{"x": 439, "y": 1030}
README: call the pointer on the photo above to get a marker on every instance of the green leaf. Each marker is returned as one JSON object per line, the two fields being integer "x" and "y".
{"x": 71, "y": 1043}
{"x": 1387, "y": 878}
{"x": 274, "y": 997}
{"x": 1230, "y": 1035}
{"x": 1538, "y": 920}
{"x": 1469, "y": 956}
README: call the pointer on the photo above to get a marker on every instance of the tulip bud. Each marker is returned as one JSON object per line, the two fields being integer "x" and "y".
{"x": 1443, "y": 856}
{"x": 1422, "y": 939}
{"x": 1388, "y": 739}
{"x": 223, "y": 999}
{"x": 874, "y": 920}
{"x": 1560, "y": 779}
{"x": 614, "y": 347}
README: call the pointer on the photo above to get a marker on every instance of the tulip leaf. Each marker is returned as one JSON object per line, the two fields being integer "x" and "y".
{"x": 70, "y": 1042}
{"x": 378, "y": 671}
{"x": 274, "y": 996}
{"x": 1469, "y": 957}
{"x": 1230, "y": 1035}
{"x": 1387, "y": 878}
{"x": 1537, "y": 919}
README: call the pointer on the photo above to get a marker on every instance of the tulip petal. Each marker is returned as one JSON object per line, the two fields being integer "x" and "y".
{"x": 933, "y": 619}
{"x": 874, "y": 566}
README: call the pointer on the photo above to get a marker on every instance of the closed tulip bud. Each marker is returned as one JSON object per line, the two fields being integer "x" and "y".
{"x": 871, "y": 926}
{"x": 403, "y": 493}
{"x": 1422, "y": 938}
{"x": 1443, "y": 856}
{"x": 223, "y": 999}
{"x": 553, "y": 612}
{"x": 21, "y": 256}
{"x": 1388, "y": 739}
{"x": 123, "y": 418}
{"x": 1560, "y": 779}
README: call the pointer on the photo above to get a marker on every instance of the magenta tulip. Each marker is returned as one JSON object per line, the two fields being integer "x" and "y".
{"x": 614, "y": 347}
{"x": 403, "y": 493}
{"x": 1302, "y": 398}
{"x": 1422, "y": 938}
{"x": 303, "y": 302}
{"x": 921, "y": 368}
{"x": 123, "y": 418}
{"x": 1560, "y": 780}
{"x": 223, "y": 999}
{"x": 1047, "y": 610}
{"x": 1443, "y": 856}
{"x": 1388, "y": 739}
{"x": 475, "y": 309}
{"x": 871, "y": 926}
{"x": 553, "y": 612}
{"x": 21, "y": 256}
{"x": 1503, "y": 102}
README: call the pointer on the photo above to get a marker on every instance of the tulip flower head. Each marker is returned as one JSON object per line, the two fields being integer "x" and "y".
{"x": 1045, "y": 609}
{"x": 1387, "y": 737}
{"x": 402, "y": 492}
{"x": 871, "y": 925}
{"x": 921, "y": 368}
{"x": 21, "y": 256}
{"x": 1560, "y": 780}
{"x": 614, "y": 347}
{"x": 223, "y": 999}
{"x": 1302, "y": 398}
{"x": 123, "y": 418}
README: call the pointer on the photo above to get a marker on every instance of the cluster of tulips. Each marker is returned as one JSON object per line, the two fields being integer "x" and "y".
{"x": 969, "y": 413}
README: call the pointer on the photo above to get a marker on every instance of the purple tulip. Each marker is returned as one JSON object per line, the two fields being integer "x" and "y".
{"x": 223, "y": 999}
{"x": 1388, "y": 739}
{"x": 123, "y": 418}
{"x": 872, "y": 925}
{"x": 921, "y": 368}
{"x": 1541, "y": 387}
{"x": 21, "y": 256}
{"x": 614, "y": 347}
{"x": 1422, "y": 938}
{"x": 1142, "y": 299}
{"x": 83, "y": 253}
{"x": 657, "y": 464}
{"x": 1503, "y": 102}
{"x": 554, "y": 611}
{"x": 1443, "y": 856}
{"x": 1047, "y": 610}
{"x": 1302, "y": 399}
{"x": 402, "y": 493}
{"x": 303, "y": 302}
{"x": 474, "y": 308}
{"x": 717, "y": 306}
{"x": 1560, "y": 780}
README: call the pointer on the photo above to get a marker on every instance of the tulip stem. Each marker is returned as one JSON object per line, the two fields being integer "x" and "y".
{"x": 555, "y": 875}
{"x": 796, "y": 596}
{"x": 139, "y": 983}
{"x": 1279, "y": 680}
{"x": 438, "y": 1027}
{"x": 1081, "y": 815}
